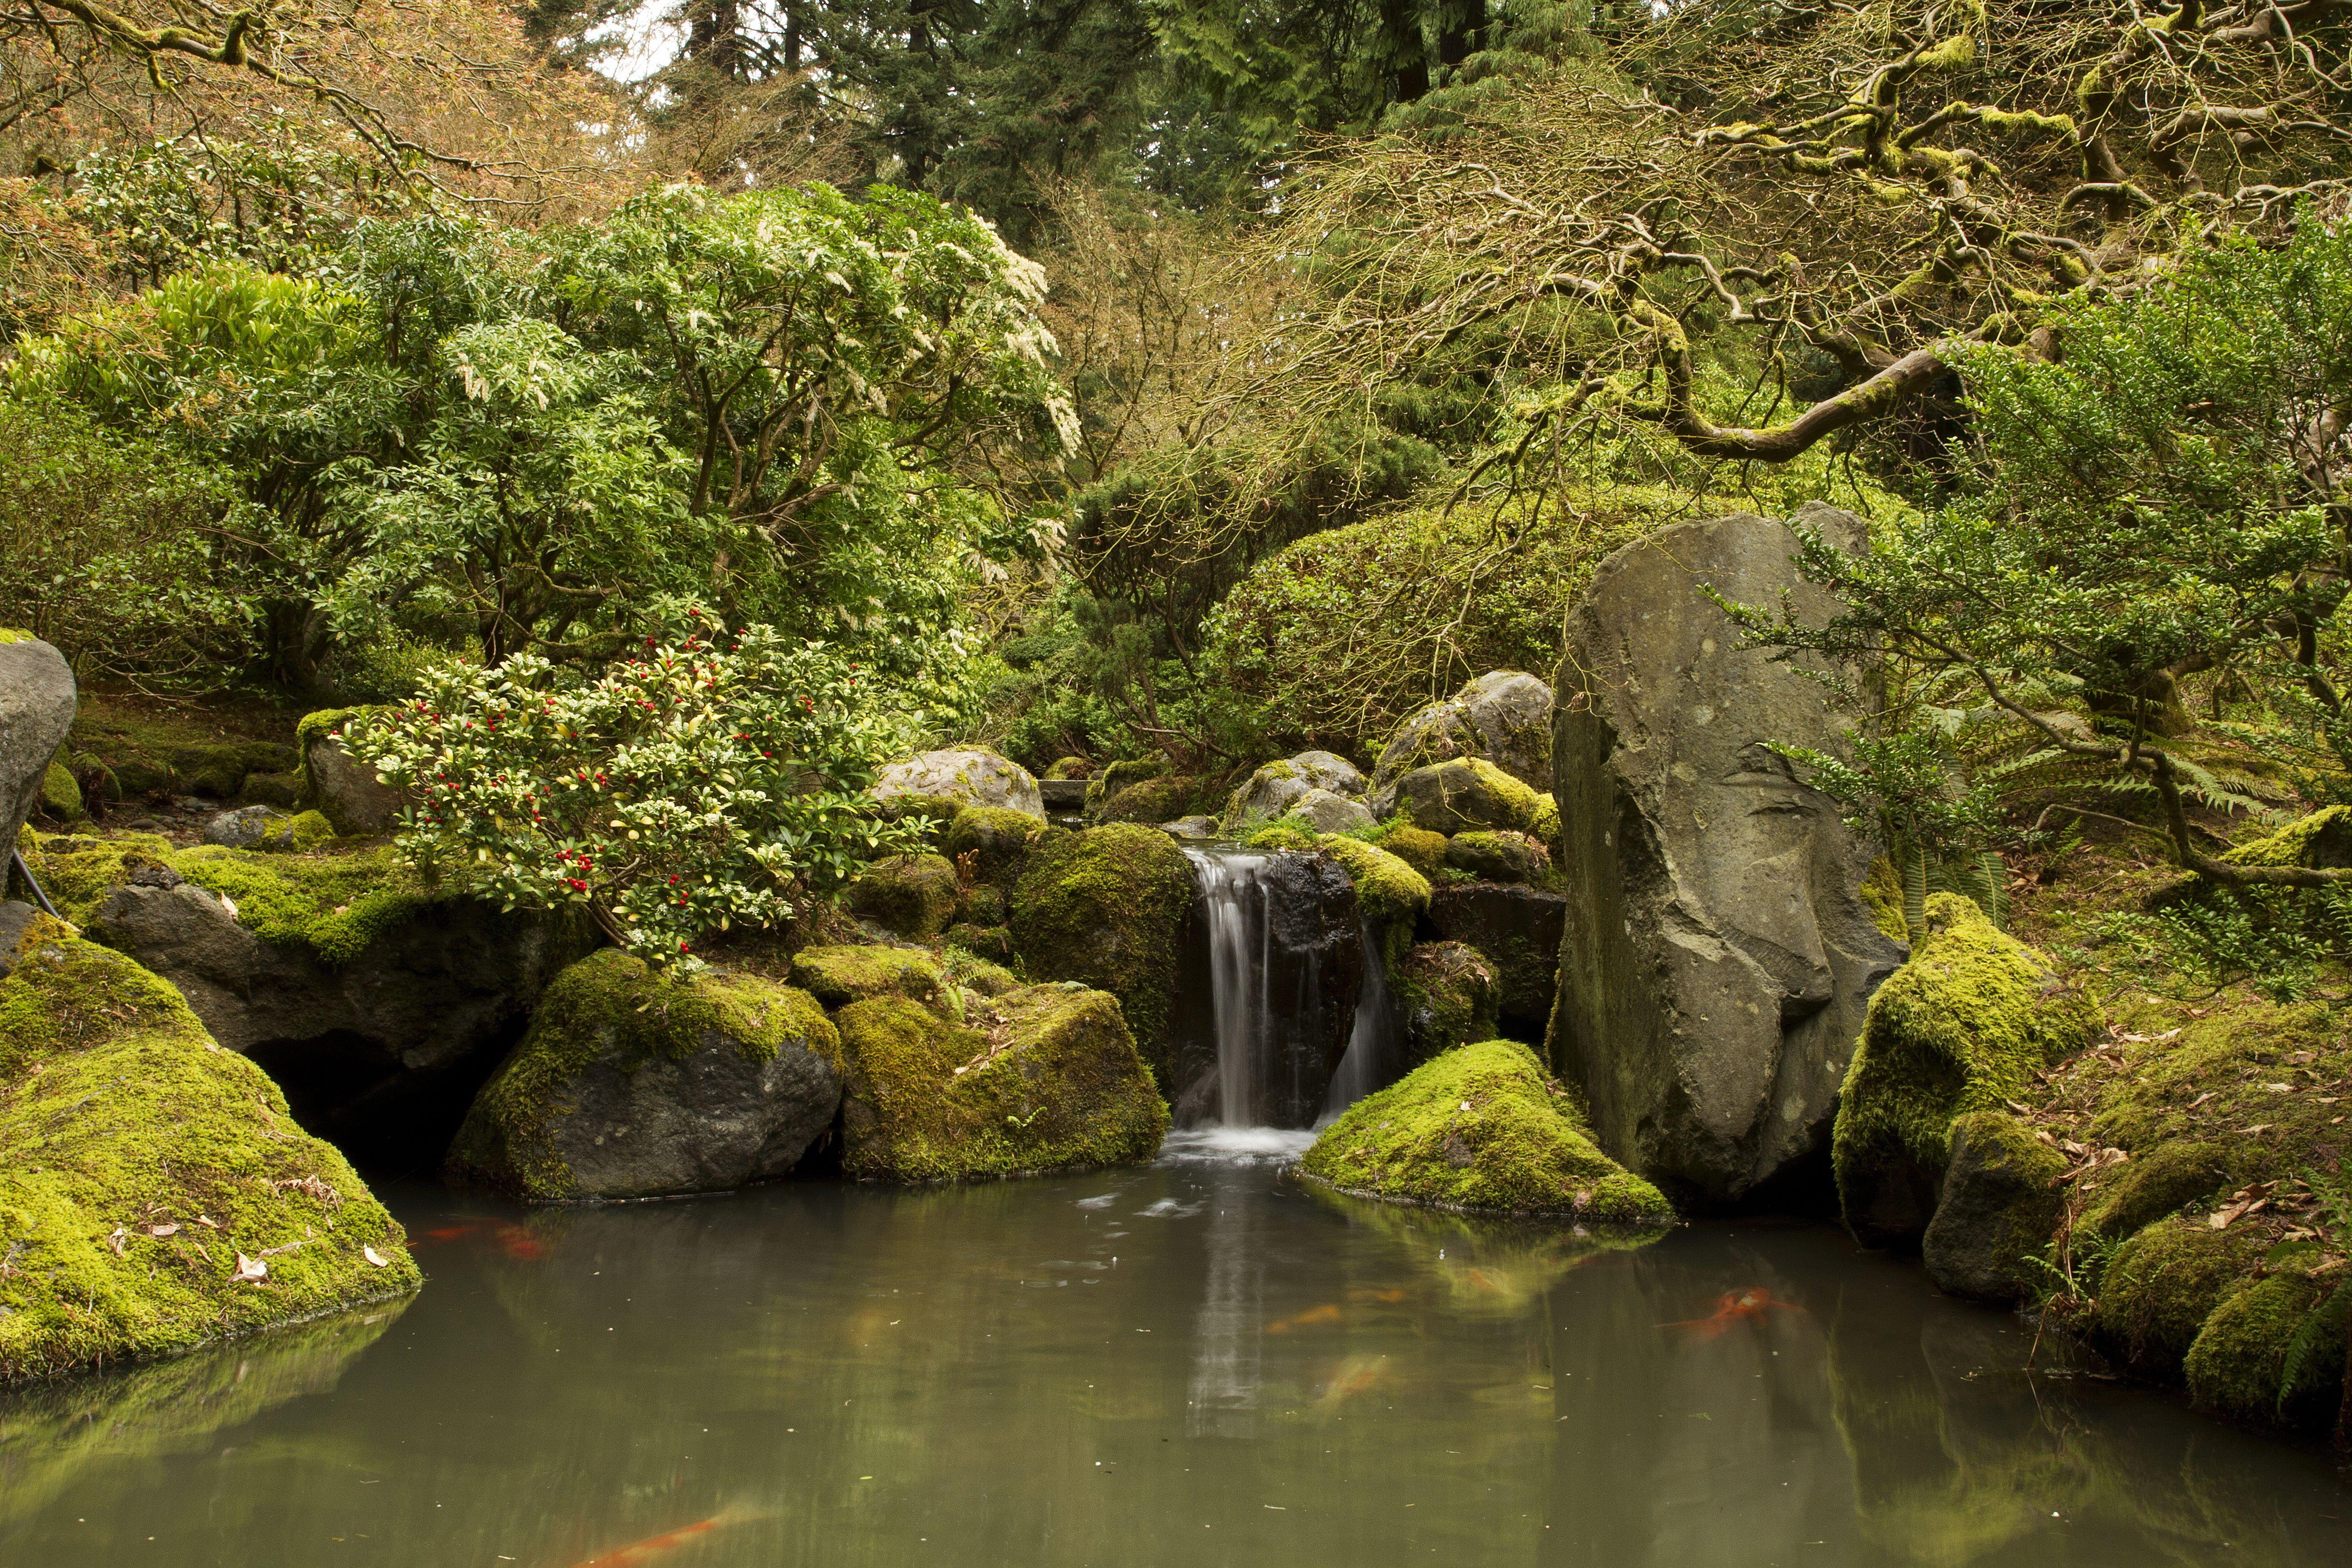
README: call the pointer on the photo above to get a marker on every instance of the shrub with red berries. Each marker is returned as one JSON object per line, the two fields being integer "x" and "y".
{"x": 708, "y": 783}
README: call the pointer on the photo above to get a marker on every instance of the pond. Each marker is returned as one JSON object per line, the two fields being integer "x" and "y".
{"x": 1201, "y": 1362}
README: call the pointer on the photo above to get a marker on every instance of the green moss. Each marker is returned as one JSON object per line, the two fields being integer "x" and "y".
{"x": 993, "y": 943}
{"x": 1499, "y": 856}
{"x": 997, "y": 839}
{"x": 1481, "y": 1128}
{"x": 937, "y": 812}
{"x": 1107, "y": 907}
{"x": 1963, "y": 1027}
{"x": 1545, "y": 828}
{"x": 913, "y": 895}
{"x": 2317, "y": 839}
{"x": 1390, "y": 893}
{"x": 2161, "y": 1285}
{"x": 1882, "y": 894}
{"x": 978, "y": 974}
{"x": 1069, "y": 768}
{"x": 283, "y": 791}
{"x": 60, "y": 797}
{"x": 311, "y": 831}
{"x": 1445, "y": 995}
{"x": 611, "y": 1005}
{"x": 1417, "y": 847}
{"x": 333, "y": 905}
{"x": 136, "y": 1120}
{"x": 2238, "y": 1365}
{"x": 1161, "y": 799}
{"x": 1104, "y": 785}
{"x": 1280, "y": 837}
{"x": 11, "y": 634}
{"x": 837, "y": 976}
{"x": 2142, "y": 1191}
{"x": 1468, "y": 794}
{"x": 1047, "y": 1079}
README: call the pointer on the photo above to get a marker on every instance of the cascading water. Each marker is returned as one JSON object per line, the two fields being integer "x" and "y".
{"x": 1286, "y": 1017}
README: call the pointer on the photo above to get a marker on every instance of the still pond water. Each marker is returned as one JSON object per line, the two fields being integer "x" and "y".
{"x": 1200, "y": 1363}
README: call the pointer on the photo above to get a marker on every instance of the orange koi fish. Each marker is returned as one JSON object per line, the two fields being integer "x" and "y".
{"x": 1388, "y": 1298}
{"x": 1734, "y": 1307}
{"x": 1357, "y": 1374}
{"x": 1314, "y": 1317}
{"x": 653, "y": 1544}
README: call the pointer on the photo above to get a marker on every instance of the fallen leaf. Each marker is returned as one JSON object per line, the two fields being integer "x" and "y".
{"x": 252, "y": 1268}
{"x": 119, "y": 1240}
{"x": 208, "y": 1222}
{"x": 371, "y": 1253}
{"x": 162, "y": 1230}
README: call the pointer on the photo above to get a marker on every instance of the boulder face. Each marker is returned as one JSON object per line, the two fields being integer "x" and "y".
{"x": 37, "y": 709}
{"x": 1718, "y": 955}
{"x": 1273, "y": 966}
{"x": 1466, "y": 796}
{"x": 378, "y": 1009}
{"x": 1504, "y": 717}
{"x": 1321, "y": 811}
{"x": 970, "y": 777}
{"x": 345, "y": 790}
{"x": 633, "y": 1086}
{"x": 1277, "y": 787}
{"x": 2000, "y": 1204}
{"x": 1107, "y": 907}
{"x": 1519, "y": 929}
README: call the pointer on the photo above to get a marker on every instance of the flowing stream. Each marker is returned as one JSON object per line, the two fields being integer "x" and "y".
{"x": 1195, "y": 1363}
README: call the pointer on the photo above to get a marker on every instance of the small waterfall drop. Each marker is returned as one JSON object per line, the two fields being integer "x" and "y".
{"x": 1290, "y": 1019}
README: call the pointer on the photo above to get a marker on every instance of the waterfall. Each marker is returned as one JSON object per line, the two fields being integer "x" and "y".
{"x": 1288, "y": 1013}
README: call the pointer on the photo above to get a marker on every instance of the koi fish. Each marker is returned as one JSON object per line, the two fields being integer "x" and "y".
{"x": 451, "y": 1231}
{"x": 651, "y": 1545}
{"x": 513, "y": 1240}
{"x": 1737, "y": 1305}
{"x": 1314, "y": 1317}
{"x": 1357, "y": 1374}
{"x": 1388, "y": 1298}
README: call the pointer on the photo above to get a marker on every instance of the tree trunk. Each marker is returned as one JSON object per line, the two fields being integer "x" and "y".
{"x": 1408, "y": 54}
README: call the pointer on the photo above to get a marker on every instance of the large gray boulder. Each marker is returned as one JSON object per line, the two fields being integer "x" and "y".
{"x": 1275, "y": 788}
{"x": 634, "y": 1086}
{"x": 379, "y": 1053}
{"x": 969, "y": 775}
{"x": 37, "y": 708}
{"x": 1326, "y": 812}
{"x": 1504, "y": 717}
{"x": 346, "y": 791}
{"x": 1717, "y": 956}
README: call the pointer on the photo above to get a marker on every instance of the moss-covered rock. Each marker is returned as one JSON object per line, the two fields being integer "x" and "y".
{"x": 993, "y": 943}
{"x": 1480, "y": 1129}
{"x": 1391, "y": 894}
{"x": 156, "y": 1192}
{"x": 345, "y": 789}
{"x": 1963, "y": 1027}
{"x": 1417, "y": 847}
{"x": 1070, "y": 768}
{"x": 1464, "y": 796}
{"x": 282, "y": 791}
{"x": 1999, "y": 1205}
{"x": 969, "y": 776}
{"x": 2144, "y": 1190}
{"x": 1445, "y": 996}
{"x": 837, "y": 976}
{"x": 1504, "y": 717}
{"x": 1104, "y": 785}
{"x": 1278, "y": 787}
{"x": 1107, "y": 907}
{"x": 2323, "y": 838}
{"x": 1501, "y": 857}
{"x": 60, "y": 798}
{"x": 997, "y": 840}
{"x": 2270, "y": 1347}
{"x": 1161, "y": 799}
{"x": 1519, "y": 930}
{"x": 2162, "y": 1284}
{"x": 912, "y": 895}
{"x": 632, "y": 1085}
{"x": 1046, "y": 1078}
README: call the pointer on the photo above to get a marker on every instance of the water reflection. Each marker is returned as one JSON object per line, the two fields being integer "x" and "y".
{"x": 1194, "y": 1363}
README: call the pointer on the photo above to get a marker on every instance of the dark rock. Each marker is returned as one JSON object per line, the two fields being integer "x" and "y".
{"x": 1999, "y": 1206}
{"x": 37, "y": 709}
{"x": 1444, "y": 996}
{"x": 997, "y": 840}
{"x": 1718, "y": 955}
{"x": 1063, "y": 794}
{"x": 1273, "y": 943}
{"x": 630, "y": 1085}
{"x": 251, "y": 827}
{"x": 993, "y": 943}
{"x": 14, "y": 916}
{"x": 913, "y": 896}
{"x": 1107, "y": 907}
{"x": 347, "y": 791}
{"x": 1497, "y": 857}
{"x": 380, "y": 1052}
{"x": 1322, "y": 811}
{"x": 1519, "y": 930}
{"x": 1504, "y": 717}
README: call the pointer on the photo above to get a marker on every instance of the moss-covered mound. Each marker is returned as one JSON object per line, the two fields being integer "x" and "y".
{"x": 1107, "y": 907}
{"x": 333, "y": 904}
{"x": 1162, "y": 799}
{"x": 1499, "y": 856}
{"x": 913, "y": 895}
{"x": 1417, "y": 847}
{"x": 633, "y": 1084}
{"x": 1046, "y": 1077}
{"x": 996, "y": 837}
{"x": 1963, "y": 1027}
{"x": 1446, "y": 995}
{"x": 837, "y": 976}
{"x": 1481, "y": 1129}
{"x": 155, "y": 1193}
{"x": 1999, "y": 1203}
{"x": 125, "y": 753}
{"x": 1104, "y": 785}
{"x": 1467, "y": 795}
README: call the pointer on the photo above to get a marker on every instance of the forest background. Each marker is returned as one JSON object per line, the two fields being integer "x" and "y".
{"x": 1197, "y": 382}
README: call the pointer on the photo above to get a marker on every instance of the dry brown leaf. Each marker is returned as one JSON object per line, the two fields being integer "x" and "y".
{"x": 375, "y": 1257}
{"x": 249, "y": 1270}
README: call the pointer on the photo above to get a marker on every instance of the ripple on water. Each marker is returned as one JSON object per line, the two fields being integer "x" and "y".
{"x": 1234, "y": 1145}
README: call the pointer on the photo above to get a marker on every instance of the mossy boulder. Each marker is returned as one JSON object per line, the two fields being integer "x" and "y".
{"x": 1481, "y": 1129}
{"x": 631, "y": 1085}
{"x": 37, "y": 711}
{"x": 1045, "y": 1078}
{"x": 1103, "y": 783}
{"x": 1504, "y": 717}
{"x": 2274, "y": 1353}
{"x": 1499, "y": 856}
{"x": 969, "y": 776}
{"x": 1107, "y": 907}
{"x": 265, "y": 828}
{"x": 345, "y": 790}
{"x": 1392, "y": 893}
{"x": 1278, "y": 786}
{"x": 1161, "y": 799}
{"x": 913, "y": 895}
{"x": 1463, "y": 796}
{"x": 60, "y": 798}
{"x": 837, "y": 976}
{"x": 1070, "y": 768}
{"x": 282, "y": 791}
{"x": 156, "y": 1192}
{"x": 1963, "y": 1027}
{"x": 997, "y": 840}
{"x": 993, "y": 943}
{"x": 2150, "y": 1187}
{"x": 2160, "y": 1286}
{"x": 1445, "y": 996}
{"x": 2000, "y": 1204}
{"x": 1417, "y": 847}
{"x": 1519, "y": 929}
